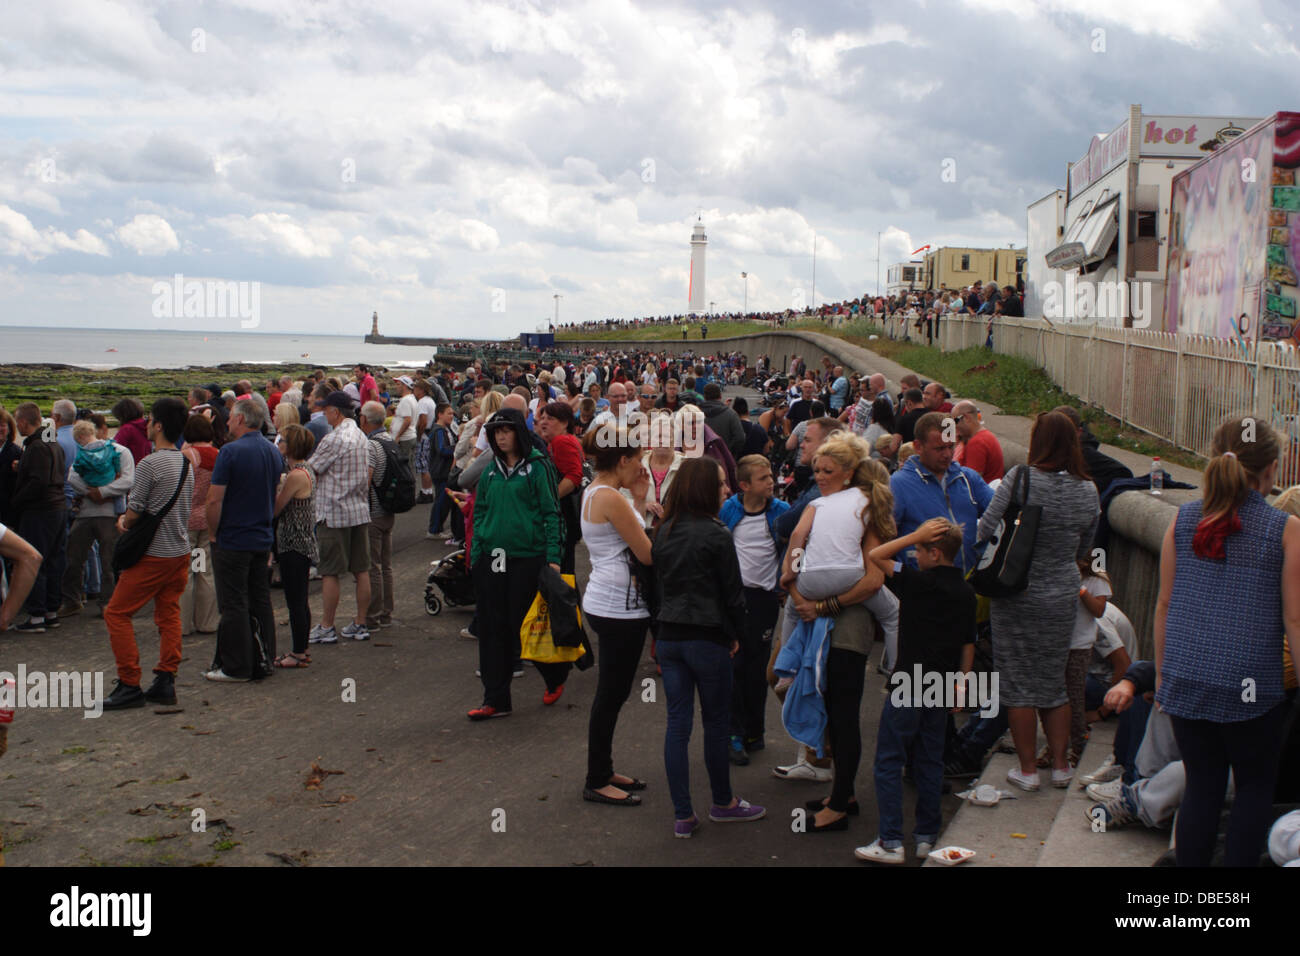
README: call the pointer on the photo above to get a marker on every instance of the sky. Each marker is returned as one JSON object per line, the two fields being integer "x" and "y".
{"x": 456, "y": 165}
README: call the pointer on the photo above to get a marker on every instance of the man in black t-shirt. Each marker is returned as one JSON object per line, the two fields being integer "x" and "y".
{"x": 801, "y": 409}
{"x": 913, "y": 409}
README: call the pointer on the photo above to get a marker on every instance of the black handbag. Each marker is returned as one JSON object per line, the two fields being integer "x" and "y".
{"x": 1004, "y": 568}
{"x": 133, "y": 543}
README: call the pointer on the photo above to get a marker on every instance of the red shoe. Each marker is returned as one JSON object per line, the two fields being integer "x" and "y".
{"x": 486, "y": 713}
{"x": 551, "y": 696}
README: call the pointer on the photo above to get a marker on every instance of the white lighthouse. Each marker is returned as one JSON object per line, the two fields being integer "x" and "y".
{"x": 695, "y": 292}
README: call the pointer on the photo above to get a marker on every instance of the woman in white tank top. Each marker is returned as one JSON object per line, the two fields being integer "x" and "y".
{"x": 614, "y": 606}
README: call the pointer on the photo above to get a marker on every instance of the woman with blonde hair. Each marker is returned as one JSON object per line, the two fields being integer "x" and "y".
{"x": 1224, "y": 601}
{"x": 661, "y": 461}
{"x": 828, "y": 556}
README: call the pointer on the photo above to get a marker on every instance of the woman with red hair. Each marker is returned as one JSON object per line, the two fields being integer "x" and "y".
{"x": 1229, "y": 586}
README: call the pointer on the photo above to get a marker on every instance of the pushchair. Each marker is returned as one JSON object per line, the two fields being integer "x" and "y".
{"x": 450, "y": 581}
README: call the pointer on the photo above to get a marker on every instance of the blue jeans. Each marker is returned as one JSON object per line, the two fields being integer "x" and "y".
{"x": 1129, "y": 735}
{"x": 978, "y": 734}
{"x": 688, "y": 665}
{"x": 441, "y": 504}
{"x": 90, "y": 582}
{"x": 920, "y": 731}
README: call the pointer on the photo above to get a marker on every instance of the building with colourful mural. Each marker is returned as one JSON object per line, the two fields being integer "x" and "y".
{"x": 1234, "y": 234}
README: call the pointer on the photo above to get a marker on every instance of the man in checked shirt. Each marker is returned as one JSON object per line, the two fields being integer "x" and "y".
{"x": 342, "y": 470}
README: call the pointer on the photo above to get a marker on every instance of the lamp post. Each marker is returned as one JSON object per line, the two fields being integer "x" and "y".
{"x": 557, "y": 298}
{"x": 745, "y": 276}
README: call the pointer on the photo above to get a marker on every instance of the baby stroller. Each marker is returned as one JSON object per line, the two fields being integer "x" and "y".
{"x": 449, "y": 575}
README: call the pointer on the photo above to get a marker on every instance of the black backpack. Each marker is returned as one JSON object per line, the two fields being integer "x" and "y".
{"x": 396, "y": 493}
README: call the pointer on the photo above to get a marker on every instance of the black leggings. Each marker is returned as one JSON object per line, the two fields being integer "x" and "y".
{"x": 1250, "y": 748}
{"x": 846, "y": 673}
{"x": 293, "y": 575}
{"x": 621, "y": 642}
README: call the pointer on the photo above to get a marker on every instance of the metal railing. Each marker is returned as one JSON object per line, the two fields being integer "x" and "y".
{"x": 1177, "y": 387}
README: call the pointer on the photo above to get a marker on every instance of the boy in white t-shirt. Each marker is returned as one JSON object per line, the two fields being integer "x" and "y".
{"x": 750, "y": 517}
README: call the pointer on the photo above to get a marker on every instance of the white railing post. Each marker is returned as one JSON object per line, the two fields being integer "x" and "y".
{"x": 1123, "y": 382}
{"x": 1179, "y": 381}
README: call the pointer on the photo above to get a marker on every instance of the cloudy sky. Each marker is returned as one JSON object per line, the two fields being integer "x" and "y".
{"x": 454, "y": 165}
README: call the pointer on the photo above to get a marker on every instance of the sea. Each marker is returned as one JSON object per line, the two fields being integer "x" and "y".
{"x": 148, "y": 348}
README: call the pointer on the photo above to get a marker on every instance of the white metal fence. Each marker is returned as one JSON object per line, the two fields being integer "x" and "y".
{"x": 1177, "y": 387}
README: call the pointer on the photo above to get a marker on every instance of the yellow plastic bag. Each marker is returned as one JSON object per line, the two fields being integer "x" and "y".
{"x": 535, "y": 634}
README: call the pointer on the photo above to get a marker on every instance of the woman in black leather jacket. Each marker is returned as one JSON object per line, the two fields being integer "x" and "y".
{"x": 701, "y": 608}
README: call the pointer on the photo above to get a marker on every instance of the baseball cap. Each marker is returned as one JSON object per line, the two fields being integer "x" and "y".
{"x": 406, "y": 380}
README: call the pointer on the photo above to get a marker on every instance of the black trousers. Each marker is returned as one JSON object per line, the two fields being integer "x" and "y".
{"x": 243, "y": 591}
{"x": 1209, "y": 749}
{"x": 749, "y": 666}
{"x": 503, "y": 599}
{"x": 47, "y": 532}
{"x": 294, "y": 568}
{"x": 846, "y": 674}
{"x": 621, "y": 643}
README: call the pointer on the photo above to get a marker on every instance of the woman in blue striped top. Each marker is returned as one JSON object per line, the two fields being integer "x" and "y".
{"x": 1229, "y": 588}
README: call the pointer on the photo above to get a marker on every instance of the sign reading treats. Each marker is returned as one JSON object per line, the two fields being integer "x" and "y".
{"x": 1189, "y": 136}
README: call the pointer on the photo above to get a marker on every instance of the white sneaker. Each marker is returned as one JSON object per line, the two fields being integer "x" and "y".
{"x": 356, "y": 631}
{"x": 1062, "y": 778}
{"x": 323, "y": 635}
{"x": 875, "y": 853}
{"x": 923, "y": 850}
{"x": 431, "y": 536}
{"x": 1101, "y": 792}
{"x": 1022, "y": 780}
{"x": 223, "y": 677}
{"x": 803, "y": 770}
{"x": 466, "y": 633}
{"x": 1108, "y": 771}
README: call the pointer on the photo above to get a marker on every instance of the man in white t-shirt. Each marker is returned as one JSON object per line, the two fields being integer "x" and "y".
{"x": 404, "y": 427}
{"x": 616, "y": 413}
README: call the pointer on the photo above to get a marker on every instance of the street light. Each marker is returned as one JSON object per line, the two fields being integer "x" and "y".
{"x": 557, "y": 298}
{"x": 711, "y": 305}
{"x": 745, "y": 276}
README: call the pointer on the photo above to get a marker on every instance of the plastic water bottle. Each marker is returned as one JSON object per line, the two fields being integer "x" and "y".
{"x": 1157, "y": 477}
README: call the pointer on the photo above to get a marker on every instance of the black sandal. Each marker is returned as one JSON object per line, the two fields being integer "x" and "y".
{"x": 595, "y": 796}
{"x": 813, "y": 806}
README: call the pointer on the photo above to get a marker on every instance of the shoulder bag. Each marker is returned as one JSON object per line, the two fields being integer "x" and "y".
{"x": 134, "y": 542}
{"x": 1004, "y": 568}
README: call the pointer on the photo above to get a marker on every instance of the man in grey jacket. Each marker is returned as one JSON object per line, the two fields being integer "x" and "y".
{"x": 95, "y": 522}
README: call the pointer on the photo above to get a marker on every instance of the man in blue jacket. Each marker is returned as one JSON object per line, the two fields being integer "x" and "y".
{"x": 931, "y": 485}
{"x": 751, "y": 518}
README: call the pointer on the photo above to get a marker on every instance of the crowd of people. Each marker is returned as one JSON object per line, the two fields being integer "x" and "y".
{"x": 760, "y": 550}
